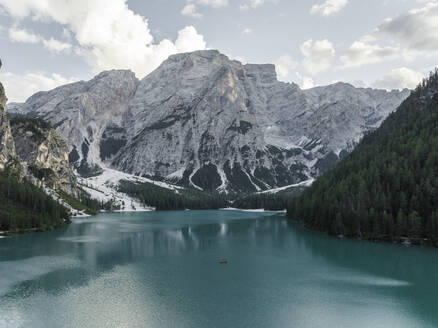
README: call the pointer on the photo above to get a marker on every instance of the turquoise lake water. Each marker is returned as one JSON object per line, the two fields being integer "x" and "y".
{"x": 161, "y": 269}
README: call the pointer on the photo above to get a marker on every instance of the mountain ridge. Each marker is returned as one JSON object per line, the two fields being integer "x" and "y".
{"x": 203, "y": 120}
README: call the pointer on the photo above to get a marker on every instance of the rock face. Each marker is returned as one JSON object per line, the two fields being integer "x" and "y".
{"x": 204, "y": 120}
{"x": 45, "y": 155}
{"x": 80, "y": 112}
{"x": 7, "y": 148}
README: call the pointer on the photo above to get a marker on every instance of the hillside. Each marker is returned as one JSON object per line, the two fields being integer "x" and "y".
{"x": 44, "y": 154}
{"x": 25, "y": 207}
{"x": 38, "y": 187}
{"x": 387, "y": 188}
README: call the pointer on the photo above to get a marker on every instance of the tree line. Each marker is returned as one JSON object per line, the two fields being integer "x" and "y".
{"x": 165, "y": 199}
{"x": 268, "y": 201}
{"x": 387, "y": 188}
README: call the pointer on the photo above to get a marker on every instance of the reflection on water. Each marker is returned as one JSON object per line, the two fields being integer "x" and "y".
{"x": 161, "y": 269}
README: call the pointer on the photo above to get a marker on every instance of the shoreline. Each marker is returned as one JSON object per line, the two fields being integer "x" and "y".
{"x": 259, "y": 210}
{"x": 402, "y": 241}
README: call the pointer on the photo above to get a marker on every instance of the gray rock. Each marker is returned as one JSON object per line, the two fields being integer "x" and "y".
{"x": 204, "y": 120}
{"x": 7, "y": 147}
{"x": 43, "y": 152}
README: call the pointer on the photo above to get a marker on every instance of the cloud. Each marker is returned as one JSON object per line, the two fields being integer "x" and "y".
{"x": 318, "y": 55}
{"x": 20, "y": 87}
{"x": 212, "y": 3}
{"x": 22, "y": 35}
{"x": 328, "y": 8}
{"x": 399, "y": 78}
{"x": 109, "y": 36}
{"x": 246, "y": 31}
{"x": 361, "y": 53}
{"x": 252, "y": 4}
{"x": 191, "y": 11}
{"x": 305, "y": 82}
{"x": 25, "y": 36}
{"x": 284, "y": 66}
{"x": 412, "y": 34}
{"x": 56, "y": 45}
{"x": 417, "y": 30}
{"x": 189, "y": 40}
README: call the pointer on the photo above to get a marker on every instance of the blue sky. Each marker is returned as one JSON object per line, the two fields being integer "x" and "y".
{"x": 377, "y": 43}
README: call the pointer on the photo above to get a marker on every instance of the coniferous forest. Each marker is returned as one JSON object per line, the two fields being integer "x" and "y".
{"x": 387, "y": 188}
{"x": 25, "y": 207}
{"x": 267, "y": 201}
{"x": 165, "y": 199}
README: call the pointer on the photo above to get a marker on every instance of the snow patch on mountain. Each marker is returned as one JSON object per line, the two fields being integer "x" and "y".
{"x": 105, "y": 188}
{"x": 306, "y": 183}
{"x": 205, "y": 121}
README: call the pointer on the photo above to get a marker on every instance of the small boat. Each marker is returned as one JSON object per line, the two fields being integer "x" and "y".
{"x": 223, "y": 262}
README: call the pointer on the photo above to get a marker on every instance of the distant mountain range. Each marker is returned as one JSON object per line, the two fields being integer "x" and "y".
{"x": 205, "y": 121}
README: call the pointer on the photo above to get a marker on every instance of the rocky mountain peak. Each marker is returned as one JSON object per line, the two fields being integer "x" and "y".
{"x": 264, "y": 73}
{"x": 196, "y": 56}
{"x": 203, "y": 120}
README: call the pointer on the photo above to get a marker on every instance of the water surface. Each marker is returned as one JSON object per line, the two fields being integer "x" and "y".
{"x": 160, "y": 269}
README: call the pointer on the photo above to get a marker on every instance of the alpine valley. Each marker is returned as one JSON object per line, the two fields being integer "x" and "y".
{"x": 205, "y": 122}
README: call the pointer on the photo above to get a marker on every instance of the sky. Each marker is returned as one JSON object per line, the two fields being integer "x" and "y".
{"x": 388, "y": 44}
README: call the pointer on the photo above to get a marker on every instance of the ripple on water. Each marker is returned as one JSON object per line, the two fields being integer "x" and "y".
{"x": 15, "y": 272}
{"x": 80, "y": 239}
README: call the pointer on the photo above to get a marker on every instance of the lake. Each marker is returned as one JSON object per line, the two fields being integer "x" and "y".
{"x": 161, "y": 269}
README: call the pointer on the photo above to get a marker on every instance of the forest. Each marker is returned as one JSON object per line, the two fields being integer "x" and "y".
{"x": 26, "y": 207}
{"x": 268, "y": 201}
{"x": 387, "y": 188}
{"x": 166, "y": 199}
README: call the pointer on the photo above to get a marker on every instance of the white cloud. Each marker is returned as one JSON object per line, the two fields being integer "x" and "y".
{"x": 189, "y": 40}
{"x": 212, "y": 3}
{"x": 417, "y": 30}
{"x": 399, "y": 78}
{"x": 319, "y": 55}
{"x": 284, "y": 66}
{"x": 191, "y": 11}
{"x": 56, "y": 45}
{"x": 305, "y": 82}
{"x": 412, "y": 34}
{"x": 20, "y": 87}
{"x": 361, "y": 53}
{"x": 246, "y": 31}
{"x": 25, "y": 36}
{"x": 329, "y": 7}
{"x": 109, "y": 36}
{"x": 22, "y": 35}
{"x": 252, "y": 4}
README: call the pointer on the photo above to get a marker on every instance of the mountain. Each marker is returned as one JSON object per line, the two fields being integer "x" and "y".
{"x": 80, "y": 112}
{"x": 206, "y": 121}
{"x": 23, "y": 206}
{"x": 7, "y": 146}
{"x": 387, "y": 188}
{"x": 44, "y": 154}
